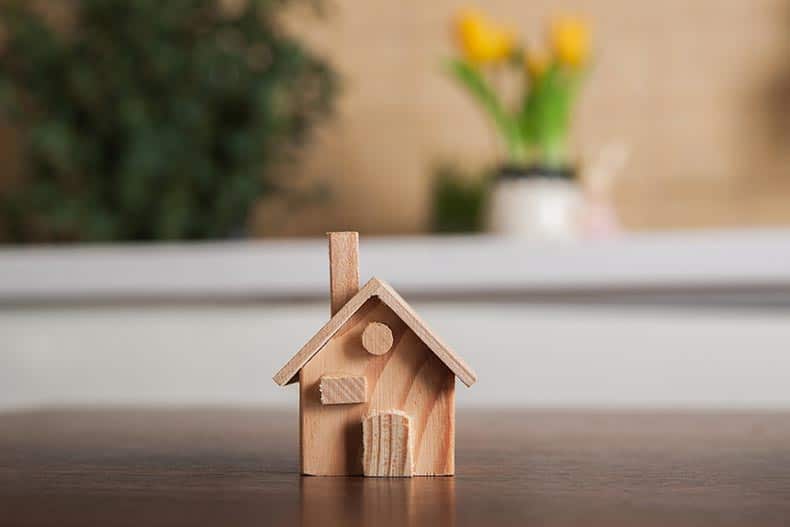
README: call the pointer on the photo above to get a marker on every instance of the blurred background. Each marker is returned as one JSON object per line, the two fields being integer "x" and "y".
{"x": 613, "y": 175}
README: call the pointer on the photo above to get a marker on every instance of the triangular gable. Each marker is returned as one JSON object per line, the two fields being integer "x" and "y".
{"x": 393, "y": 300}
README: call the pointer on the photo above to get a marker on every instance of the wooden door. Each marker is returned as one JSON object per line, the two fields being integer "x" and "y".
{"x": 387, "y": 445}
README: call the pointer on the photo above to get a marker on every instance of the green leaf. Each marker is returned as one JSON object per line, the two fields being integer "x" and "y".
{"x": 152, "y": 119}
{"x": 477, "y": 86}
{"x": 544, "y": 119}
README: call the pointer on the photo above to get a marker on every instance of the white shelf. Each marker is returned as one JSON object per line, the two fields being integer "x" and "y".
{"x": 743, "y": 264}
{"x": 230, "y": 317}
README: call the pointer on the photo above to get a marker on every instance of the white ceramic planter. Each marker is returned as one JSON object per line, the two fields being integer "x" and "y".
{"x": 535, "y": 207}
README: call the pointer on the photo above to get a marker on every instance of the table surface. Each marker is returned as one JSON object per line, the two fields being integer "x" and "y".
{"x": 238, "y": 467}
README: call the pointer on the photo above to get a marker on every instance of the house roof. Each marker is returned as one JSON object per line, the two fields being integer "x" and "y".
{"x": 385, "y": 293}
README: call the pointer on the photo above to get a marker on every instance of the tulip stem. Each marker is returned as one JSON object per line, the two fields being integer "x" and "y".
{"x": 537, "y": 130}
{"x": 479, "y": 88}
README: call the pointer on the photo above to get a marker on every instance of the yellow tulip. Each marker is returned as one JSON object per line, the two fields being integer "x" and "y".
{"x": 570, "y": 40}
{"x": 537, "y": 62}
{"x": 481, "y": 40}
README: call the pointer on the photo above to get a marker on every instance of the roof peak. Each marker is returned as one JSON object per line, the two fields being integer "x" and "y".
{"x": 376, "y": 287}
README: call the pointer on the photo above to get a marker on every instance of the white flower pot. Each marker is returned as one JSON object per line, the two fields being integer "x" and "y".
{"x": 535, "y": 207}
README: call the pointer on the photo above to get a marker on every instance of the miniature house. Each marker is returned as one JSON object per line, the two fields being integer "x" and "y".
{"x": 376, "y": 385}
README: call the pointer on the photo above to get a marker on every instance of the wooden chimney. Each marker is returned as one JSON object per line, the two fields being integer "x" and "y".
{"x": 343, "y": 268}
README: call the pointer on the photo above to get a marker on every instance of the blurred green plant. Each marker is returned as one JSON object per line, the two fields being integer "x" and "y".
{"x": 459, "y": 200}
{"x": 535, "y": 129}
{"x": 152, "y": 119}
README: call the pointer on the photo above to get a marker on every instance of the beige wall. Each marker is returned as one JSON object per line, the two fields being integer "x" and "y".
{"x": 699, "y": 90}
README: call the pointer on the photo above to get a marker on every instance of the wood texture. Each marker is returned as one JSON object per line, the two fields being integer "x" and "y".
{"x": 155, "y": 468}
{"x": 290, "y": 370}
{"x": 377, "y": 338}
{"x": 457, "y": 365}
{"x": 343, "y": 389}
{"x": 387, "y": 447}
{"x": 343, "y": 268}
{"x": 375, "y": 289}
{"x": 409, "y": 378}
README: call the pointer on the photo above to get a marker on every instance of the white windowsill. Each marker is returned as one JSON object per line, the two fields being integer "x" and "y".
{"x": 752, "y": 264}
{"x": 243, "y": 316}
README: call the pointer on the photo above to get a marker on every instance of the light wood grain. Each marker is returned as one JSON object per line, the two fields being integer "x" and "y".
{"x": 409, "y": 378}
{"x": 389, "y": 296}
{"x": 377, "y": 338}
{"x": 290, "y": 370}
{"x": 414, "y": 383}
{"x": 343, "y": 268}
{"x": 387, "y": 443}
{"x": 379, "y": 290}
{"x": 343, "y": 389}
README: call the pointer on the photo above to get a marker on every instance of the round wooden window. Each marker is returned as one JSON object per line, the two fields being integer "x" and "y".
{"x": 377, "y": 338}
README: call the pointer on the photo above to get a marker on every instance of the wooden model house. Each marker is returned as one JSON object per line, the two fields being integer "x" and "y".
{"x": 376, "y": 385}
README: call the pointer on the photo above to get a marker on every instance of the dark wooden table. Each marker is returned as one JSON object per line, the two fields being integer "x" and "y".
{"x": 147, "y": 468}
